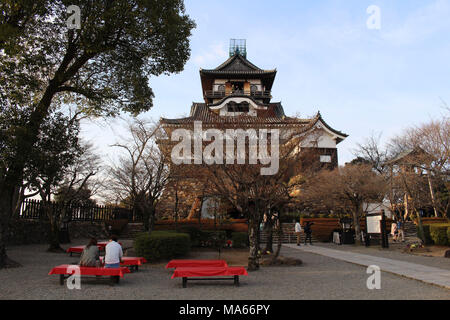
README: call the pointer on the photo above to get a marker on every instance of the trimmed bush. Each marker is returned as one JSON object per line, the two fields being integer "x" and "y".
{"x": 205, "y": 238}
{"x": 213, "y": 239}
{"x": 289, "y": 217}
{"x": 438, "y": 233}
{"x": 240, "y": 239}
{"x": 448, "y": 235}
{"x": 195, "y": 234}
{"x": 162, "y": 245}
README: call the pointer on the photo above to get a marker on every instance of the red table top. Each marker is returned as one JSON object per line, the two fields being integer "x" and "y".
{"x": 130, "y": 261}
{"x": 90, "y": 271}
{"x": 209, "y": 272}
{"x": 196, "y": 263}
{"x": 79, "y": 249}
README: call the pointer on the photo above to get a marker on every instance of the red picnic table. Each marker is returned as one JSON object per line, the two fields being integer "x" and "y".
{"x": 134, "y": 262}
{"x": 79, "y": 249}
{"x": 66, "y": 270}
{"x": 196, "y": 263}
{"x": 211, "y": 273}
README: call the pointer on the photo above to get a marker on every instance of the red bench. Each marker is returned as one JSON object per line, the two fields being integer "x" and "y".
{"x": 64, "y": 273}
{"x": 211, "y": 273}
{"x": 133, "y": 262}
{"x": 79, "y": 249}
{"x": 195, "y": 263}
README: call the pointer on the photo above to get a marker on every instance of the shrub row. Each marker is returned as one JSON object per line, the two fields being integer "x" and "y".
{"x": 235, "y": 225}
{"x": 205, "y": 238}
{"x": 162, "y": 245}
{"x": 240, "y": 239}
{"x": 435, "y": 233}
{"x": 438, "y": 233}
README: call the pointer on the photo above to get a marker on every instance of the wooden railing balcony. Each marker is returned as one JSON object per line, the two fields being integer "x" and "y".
{"x": 221, "y": 94}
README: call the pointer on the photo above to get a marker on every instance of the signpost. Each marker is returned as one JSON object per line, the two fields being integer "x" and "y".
{"x": 376, "y": 225}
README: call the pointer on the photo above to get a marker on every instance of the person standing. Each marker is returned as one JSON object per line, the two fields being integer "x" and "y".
{"x": 394, "y": 231}
{"x": 113, "y": 253}
{"x": 298, "y": 232}
{"x": 308, "y": 232}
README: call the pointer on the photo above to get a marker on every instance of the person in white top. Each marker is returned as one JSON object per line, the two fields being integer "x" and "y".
{"x": 298, "y": 231}
{"x": 113, "y": 253}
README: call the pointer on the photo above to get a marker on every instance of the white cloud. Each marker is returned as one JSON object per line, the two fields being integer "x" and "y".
{"x": 420, "y": 24}
{"x": 215, "y": 53}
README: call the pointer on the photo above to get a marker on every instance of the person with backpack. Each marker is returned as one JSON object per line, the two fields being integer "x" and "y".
{"x": 308, "y": 232}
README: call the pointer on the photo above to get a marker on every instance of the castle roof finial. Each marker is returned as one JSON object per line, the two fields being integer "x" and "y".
{"x": 238, "y": 47}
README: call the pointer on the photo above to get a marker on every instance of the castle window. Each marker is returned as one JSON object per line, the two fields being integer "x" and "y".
{"x": 238, "y": 107}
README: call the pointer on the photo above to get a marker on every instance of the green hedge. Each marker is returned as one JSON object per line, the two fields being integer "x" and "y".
{"x": 438, "y": 233}
{"x": 195, "y": 234}
{"x": 205, "y": 238}
{"x": 448, "y": 235}
{"x": 240, "y": 239}
{"x": 213, "y": 239}
{"x": 162, "y": 245}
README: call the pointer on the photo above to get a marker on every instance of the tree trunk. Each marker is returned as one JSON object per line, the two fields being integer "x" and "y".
{"x": 433, "y": 200}
{"x": 268, "y": 226}
{"x": 253, "y": 258}
{"x": 54, "y": 244}
{"x": 420, "y": 231}
{"x": 145, "y": 213}
{"x": 357, "y": 213}
{"x": 5, "y": 215}
{"x": 3, "y": 233}
{"x": 151, "y": 219}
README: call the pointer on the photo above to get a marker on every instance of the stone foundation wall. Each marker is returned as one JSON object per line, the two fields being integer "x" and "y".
{"x": 27, "y": 232}
{"x": 36, "y": 232}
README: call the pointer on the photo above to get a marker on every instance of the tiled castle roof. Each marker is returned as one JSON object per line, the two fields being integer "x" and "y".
{"x": 274, "y": 114}
{"x": 237, "y": 64}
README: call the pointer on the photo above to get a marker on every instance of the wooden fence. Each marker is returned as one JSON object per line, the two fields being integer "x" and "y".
{"x": 33, "y": 209}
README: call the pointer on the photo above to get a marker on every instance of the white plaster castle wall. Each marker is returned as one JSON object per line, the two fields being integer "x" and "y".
{"x": 223, "y": 109}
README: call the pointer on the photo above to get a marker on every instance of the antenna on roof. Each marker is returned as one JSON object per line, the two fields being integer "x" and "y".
{"x": 238, "y": 46}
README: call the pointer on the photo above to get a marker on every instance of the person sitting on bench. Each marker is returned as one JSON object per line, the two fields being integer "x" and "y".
{"x": 113, "y": 253}
{"x": 90, "y": 257}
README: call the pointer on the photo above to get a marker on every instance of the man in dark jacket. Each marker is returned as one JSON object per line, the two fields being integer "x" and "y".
{"x": 308, "y": 232}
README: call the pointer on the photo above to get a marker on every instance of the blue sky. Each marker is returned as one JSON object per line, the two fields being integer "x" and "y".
{"x": 362, "y": 80}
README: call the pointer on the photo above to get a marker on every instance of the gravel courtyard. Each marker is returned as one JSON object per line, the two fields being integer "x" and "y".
{"x": 318, "y": 278}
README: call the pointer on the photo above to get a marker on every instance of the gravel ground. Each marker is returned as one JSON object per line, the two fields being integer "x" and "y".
{"x": 318, "y": 278}
{"x": 393, "y": 252}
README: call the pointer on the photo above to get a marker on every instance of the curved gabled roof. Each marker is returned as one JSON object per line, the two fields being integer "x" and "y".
{"x": 237, "y": 64}
{"x": 340, "y": 135}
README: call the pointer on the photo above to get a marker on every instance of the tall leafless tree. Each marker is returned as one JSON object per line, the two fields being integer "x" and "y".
{"x": 141, "y": 173}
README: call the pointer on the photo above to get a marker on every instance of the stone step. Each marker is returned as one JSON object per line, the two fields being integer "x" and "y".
{"x": 132, "y": 230}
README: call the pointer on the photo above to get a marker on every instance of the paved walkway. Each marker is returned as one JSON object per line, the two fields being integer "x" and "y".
{"x": 436, "y": 276}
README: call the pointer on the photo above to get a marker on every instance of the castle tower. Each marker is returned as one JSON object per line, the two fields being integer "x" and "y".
{"x": 237, "y": 93}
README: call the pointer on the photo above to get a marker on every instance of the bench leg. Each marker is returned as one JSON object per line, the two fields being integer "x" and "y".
{"x": 184, "y": 282}
{"x": 61, "y": 279}
{"x": 236, "y": 281}
{"x": 115, "y": 279}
